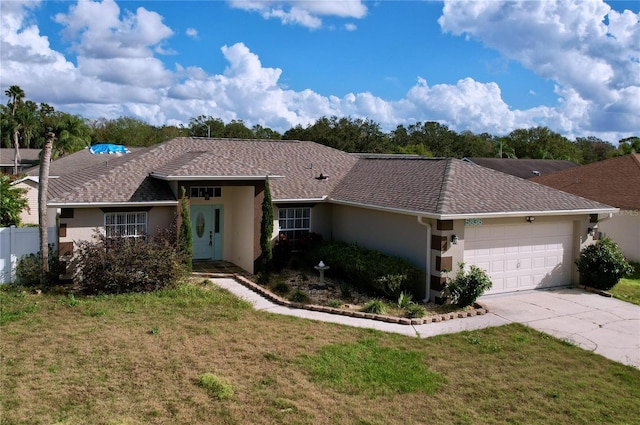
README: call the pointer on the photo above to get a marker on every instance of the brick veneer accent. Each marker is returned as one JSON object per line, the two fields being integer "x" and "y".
{"x": 444, "y": 225}
{"x": 444, "y": 263}
{"x": 439, "y": 243}
{"x": 65, "y": 248}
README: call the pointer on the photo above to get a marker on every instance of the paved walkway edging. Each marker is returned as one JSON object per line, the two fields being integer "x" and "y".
{"x": 479, "y": 309}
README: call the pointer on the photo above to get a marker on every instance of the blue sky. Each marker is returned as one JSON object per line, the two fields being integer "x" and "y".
{"x": 485, "y": 66}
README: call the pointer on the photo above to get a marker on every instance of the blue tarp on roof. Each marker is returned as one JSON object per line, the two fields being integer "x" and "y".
{"x": 108, "y": 148}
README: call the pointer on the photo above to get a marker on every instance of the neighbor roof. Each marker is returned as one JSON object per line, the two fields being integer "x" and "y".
{"x": 27, "y": 156}
{"x": 429, "y": 186}
{"x": 614, "y": 181}
{"x": 450, "y": 187}
{"x": 523, "y": 168}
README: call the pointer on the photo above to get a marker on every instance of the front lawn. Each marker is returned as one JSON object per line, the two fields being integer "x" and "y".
{"x": 628, "y": 289}
{"x": 197, "y": 354}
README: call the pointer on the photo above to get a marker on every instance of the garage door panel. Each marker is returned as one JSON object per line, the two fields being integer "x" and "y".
{"x": 521, "y": 257}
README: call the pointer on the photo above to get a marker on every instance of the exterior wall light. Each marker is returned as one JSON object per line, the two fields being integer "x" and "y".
{"x": 530, "y": 219}
{"x": 589, "y": 231}
{"x": 454, "y": 239}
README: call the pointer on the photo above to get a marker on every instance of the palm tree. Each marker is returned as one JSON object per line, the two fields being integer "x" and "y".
{"x": 15, "y": 94}
{"x": 43, "y": 188}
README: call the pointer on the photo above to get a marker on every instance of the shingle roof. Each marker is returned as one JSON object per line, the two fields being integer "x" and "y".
{"x": 76, "y": 161}
{"x": 614, "y": 181}
{"x": 412, "y": 184}
{"x": 120, "y": 181}
{"x": 27, "y": 156}
{"x": 449, "y": 186}
{"x": 523, "y": 168}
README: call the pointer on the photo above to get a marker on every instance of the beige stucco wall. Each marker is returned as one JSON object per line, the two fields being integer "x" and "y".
{"x": 394, "y": 234}
{"x": 30, "y": 214}
{"x": 624, "y": 229}
{"x": 86, "y": 221}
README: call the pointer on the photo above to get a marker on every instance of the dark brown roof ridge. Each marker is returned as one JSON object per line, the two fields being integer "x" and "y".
{"x": 443, "y": 197}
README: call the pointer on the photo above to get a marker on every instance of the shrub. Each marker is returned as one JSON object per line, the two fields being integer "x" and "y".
{"x": 29, "y": 269}
{"x": 216, "y": 386}
{"x": 299, "y": 296}
{"x": 281, "y": 287}
{"x": 120, "y": 265}
{"x": 466, "y": 287}
{"x": 334, "y": 303}
{"x": 375, "y": 307}
{"x": 365, "y": 268}
{"x": 404, "y": 299}
{"x": 414, "y": 310}
{"x": 602, "y": 264}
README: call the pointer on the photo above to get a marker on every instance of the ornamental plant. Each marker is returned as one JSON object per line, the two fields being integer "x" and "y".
{"x": 602, "y": 265}
{"x": 466, "y": 287}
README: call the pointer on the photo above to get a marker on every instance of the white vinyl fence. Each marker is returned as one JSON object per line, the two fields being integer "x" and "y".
{"x": 15, "y": 243}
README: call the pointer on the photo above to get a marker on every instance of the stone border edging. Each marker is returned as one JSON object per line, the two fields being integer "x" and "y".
{"x": 596, "y": 291}
{"x": 478, "y": 310}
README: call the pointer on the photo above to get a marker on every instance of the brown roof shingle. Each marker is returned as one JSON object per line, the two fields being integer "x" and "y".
{"x": 524, "y": 168}
{"x": 449, "y": 187}
{"x": 434, "y": 186}
{"x": 614, "y": 181}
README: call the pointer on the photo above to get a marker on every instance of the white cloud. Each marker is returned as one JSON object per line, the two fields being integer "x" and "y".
{"x": 117, "y": 73}
{"x": 192, "y": 32}
{"x": 568, "y": 42}
{"x": 350, "y": 27}
{"x": 303, "y": 12}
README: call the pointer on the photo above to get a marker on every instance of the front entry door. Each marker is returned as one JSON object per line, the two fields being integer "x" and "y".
{"x": 206, "y": 227}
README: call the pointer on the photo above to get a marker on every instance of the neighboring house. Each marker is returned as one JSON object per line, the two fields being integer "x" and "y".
{"x": 434, "y": 212}
{"x": 523, "y": 168}
{"x": 28, "y": 158}
{"x": 616, "y": 182}
{"x": 29, "y": 216}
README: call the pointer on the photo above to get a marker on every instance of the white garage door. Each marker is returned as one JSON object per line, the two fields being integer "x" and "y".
{"x": 523, "y": 256}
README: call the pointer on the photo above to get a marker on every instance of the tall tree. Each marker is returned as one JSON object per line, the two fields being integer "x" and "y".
{"x": 266, "y": 230}
{"x": 43, "y": 189}
{"x": 16, "y": 95}
{"x": 185, "y": 236}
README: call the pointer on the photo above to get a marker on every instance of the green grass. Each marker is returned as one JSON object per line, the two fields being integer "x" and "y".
{"x": 363, "y": 367}
{"x": 141, "y": 358}
{"x": 628, "y": 289}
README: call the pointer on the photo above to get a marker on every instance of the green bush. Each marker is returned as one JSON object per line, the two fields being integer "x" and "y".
{"x": 466, "y": 287}
{"x": 281, "y": 288}
{"x": 414, "y": 310}
{"x": 299, "y": 296}
{"x": 29, "y": 269}
{"x": 404, "y": 299}
{"x": 602, "y": 264}
{"x": 375, "y": 307}
{"x": 120, "y": 265}
{"x": 335, "y": 303}
{"x": 368, "y": 269}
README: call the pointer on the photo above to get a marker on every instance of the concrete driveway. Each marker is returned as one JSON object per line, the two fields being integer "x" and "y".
{"x": 603, "y": 325}
{"x": 606, "y": 326}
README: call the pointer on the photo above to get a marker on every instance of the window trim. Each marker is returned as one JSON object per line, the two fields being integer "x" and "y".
{"x": 294, "y": 229}
{"x": 125, "y": 225}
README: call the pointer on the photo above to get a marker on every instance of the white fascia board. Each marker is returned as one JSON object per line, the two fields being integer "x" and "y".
{"x": 111, "y": 204}
{"x": 499, "y": 214}
{"x": 299, "y": 200}
{"x": 504, "y": 214}
{"x": 212, "y": 178}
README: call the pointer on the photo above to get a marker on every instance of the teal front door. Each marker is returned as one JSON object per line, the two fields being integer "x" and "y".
{"x": 206, "y": 226}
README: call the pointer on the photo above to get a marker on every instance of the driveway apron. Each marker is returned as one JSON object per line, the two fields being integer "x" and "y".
{"x": 604, "y": 325}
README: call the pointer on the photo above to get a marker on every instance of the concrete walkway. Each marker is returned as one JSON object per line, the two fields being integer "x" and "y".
{"x": 604, "y": 325}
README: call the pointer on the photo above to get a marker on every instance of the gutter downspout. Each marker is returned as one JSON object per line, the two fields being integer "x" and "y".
{"x": 428, "y": 267}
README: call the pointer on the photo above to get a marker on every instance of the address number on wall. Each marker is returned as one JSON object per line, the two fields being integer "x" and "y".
{"x": 473, "y": 222}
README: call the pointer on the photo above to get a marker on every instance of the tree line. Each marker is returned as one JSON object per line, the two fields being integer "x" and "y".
{"x": 24, "y": 124}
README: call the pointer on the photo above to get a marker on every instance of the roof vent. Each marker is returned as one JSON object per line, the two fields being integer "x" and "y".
{"x": 536, "y": 172}
{"x": 322, "y": 177}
